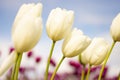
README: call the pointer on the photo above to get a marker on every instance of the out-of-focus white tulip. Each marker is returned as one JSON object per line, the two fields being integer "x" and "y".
{"x": 59, "y": 23}
{"x": 75, "y": 43}
{"x": 115, "y": 28}
{"x": 27, "y": 27}
{"x": 96, "y": 52}
{"x": 9, "y": 61}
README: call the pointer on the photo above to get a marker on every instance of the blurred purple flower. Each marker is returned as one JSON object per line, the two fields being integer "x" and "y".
{"x": 75, "y": 64}
{"x": 104, "y": 73}
{"x": 11, "y": 50}
{"x": 77, "y": 71}
{"x": 77, "y": 67}
{"x": 93, "y": 69}
{"x": 29, "y": 54}
{"x": 75, "y": 75}
{"x": 22, "y": 70}
{"x": 37, "y": 59}
{"x": 52, "y": 62}
{"x": 57, "y": 76}
{"x": 64, "y": 75}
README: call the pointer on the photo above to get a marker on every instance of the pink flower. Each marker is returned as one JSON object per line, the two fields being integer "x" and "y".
{"x": 29, "y": 54}
{"x": 22, "y": 70}
{"x": 11, "y": 50}
{"x": 52, "y": 62}
{"x": 37, "y": 59}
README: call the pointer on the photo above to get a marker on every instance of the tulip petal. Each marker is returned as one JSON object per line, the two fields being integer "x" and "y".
{"x": 9, "y": 61}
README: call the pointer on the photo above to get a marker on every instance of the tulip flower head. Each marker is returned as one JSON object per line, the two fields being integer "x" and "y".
{"x": 115, "y": 28}
{"x": 75, "y": 43}
{"x": 96, "y": 52}
{"x": 59, "y": 23}
{"x": 27, "y": 27}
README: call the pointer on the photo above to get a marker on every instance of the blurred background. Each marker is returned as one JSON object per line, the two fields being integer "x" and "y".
{"x": 93, "y": 17}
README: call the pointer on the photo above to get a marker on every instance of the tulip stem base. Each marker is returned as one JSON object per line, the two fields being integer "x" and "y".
{"x": 88, "y": 73}
{"x": 48, "y": 62}
{"x": 106, "y": 59}
{"x": 57, "y": 67}
{"x": 82, "y": 77}
{"x": 16, "y": 67}
{"x": 119, "y": 76}
{"x": 83, "y": 73}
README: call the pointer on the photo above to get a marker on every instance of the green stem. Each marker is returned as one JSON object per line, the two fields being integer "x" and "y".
{"x": 16, "y": 67}
{"x": 119, "y": 76}
{"x": 83, "y": 73}
{"x": 57, "y": 67}
{"x": 88, "y": 72}
{"x": 83, "y": 68}
{"x": 48, "y": 62}
{"x": 106, "y": 59}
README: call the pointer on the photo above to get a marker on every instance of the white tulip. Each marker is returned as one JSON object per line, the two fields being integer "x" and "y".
{"x": 27, "y": 27}
{"x": 9, "y": 61}
{"x": 59, "y": 23}
{"x": 75, "y": 43}
{"x": 96, "y": 52}
{"x": 115, "y": 28}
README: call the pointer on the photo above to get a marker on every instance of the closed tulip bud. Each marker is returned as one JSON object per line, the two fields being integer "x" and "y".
{"x": 9, "y": 61}
{"x": 59, "y": 23}
{"x": 75, "y": 43}
{"x": 96, "y": 52}
{"x": 115, "y": 28}
{"x": 27, "y": 27}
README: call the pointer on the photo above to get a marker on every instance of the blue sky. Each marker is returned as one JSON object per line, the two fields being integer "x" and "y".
{"x": 93, "y": 17}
